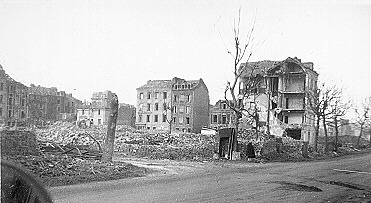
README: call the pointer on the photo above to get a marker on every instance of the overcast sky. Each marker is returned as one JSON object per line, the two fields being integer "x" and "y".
{"x": 83, "y": 47}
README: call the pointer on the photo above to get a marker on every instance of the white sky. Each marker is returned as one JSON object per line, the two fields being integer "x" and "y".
{"x": 83, "y": 47}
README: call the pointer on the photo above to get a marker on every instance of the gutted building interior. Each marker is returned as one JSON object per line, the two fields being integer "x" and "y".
{"x": 281, "y": 94}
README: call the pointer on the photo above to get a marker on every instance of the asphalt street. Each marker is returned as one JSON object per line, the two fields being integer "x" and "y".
{"x": 342, "y": 179}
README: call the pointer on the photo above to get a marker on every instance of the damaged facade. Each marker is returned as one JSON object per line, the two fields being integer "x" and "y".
{"x": 48, "y": 104}
{"x": 97, "y": 112}
{"x": 126, "y": 115}
{"x": 13, "y": 100}
{"x": 183, "y": 103}
{"x": 22, "y": 105}
{"x": 221, "y": 115}
{"x": 281, "y": 96}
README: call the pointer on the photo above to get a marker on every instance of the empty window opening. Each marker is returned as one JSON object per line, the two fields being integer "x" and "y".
{"x": 294, "y": 133}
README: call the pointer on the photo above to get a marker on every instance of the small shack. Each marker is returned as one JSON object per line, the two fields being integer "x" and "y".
{"x": 227, "y": 138}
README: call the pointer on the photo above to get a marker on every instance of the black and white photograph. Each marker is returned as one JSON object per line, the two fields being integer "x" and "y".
{"x": 185, "y": 101}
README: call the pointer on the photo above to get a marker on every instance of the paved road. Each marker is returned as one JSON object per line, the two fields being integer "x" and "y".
{"x": 343, "y": 179}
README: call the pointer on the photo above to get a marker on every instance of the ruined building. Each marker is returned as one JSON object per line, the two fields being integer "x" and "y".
{"x": 281, "y": 95}
{"x": 182, "y": 105}
{"x": 13, "y": 100}
{"x": 126, "y": 115}
{"x": 48, "y": 104}
{"x": 22, "y": 105}
{"x": 97, "y": 111}
{"x": 221, "y": 115}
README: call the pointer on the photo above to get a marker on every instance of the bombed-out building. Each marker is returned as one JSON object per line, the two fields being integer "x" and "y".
{"x": 13, "y": 100}
{"x": 48, "y": 104}
{"x": 126, "y": 115}
{"x": 96, "y": 112}
{"x": 281, "y": 95}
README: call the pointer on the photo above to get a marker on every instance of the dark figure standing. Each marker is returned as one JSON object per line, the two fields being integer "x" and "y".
{"x": 250, "y": 152}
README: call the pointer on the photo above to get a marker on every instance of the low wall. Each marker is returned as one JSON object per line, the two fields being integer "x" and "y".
{"x": 14, "y": 142}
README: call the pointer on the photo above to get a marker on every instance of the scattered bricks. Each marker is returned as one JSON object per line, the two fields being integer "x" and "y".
{"x": 138, "y": 143}
{"x": 15, "y": 142}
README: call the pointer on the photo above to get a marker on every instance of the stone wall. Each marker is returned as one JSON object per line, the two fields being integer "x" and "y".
{"x": 14, "y": 142}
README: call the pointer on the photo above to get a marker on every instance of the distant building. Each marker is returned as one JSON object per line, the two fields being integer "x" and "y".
{"x": 344, "y": 128}
{"x": 126, "y": 115}
{"x": 181, "y": 104}
{"x": 24, "y": 105}
{"x": 13, "y": 100}
{"x": 97, "y": 111}
{"x": 48, "y": 104}
{"x": 153, "y": 99}
{"x": 282, "y": 95}
{"x": 221, "y": 115}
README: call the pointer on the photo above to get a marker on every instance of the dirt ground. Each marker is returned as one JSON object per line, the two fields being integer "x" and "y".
{"x": 226, "y": 181}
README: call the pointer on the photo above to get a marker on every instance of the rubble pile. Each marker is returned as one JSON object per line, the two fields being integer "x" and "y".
{"x": 14, "y": 142}
{"x": 155, "y": 145}
{"x": 292, "y": 148}
{"x": 53, "y": 170}
{"x": 64, "y": 133}
{"x": 249, "y": 135}
{"x": 177, "y": 146}
{"x": 56, "y": 164}
{"x": 270, "y": 147}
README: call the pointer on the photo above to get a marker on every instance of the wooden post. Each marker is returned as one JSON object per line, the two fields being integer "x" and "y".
{"x": 111, "y": 127}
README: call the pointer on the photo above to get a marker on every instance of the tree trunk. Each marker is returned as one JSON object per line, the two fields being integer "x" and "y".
{"x": 336, "y": 133}
{"x": 268, "y": 112}
{"x": 316, "y": 134}
{"x": 236, "y": 131}
{"x": 325, "y": 131}
{"x": 111, "y": 127}
{"x": 233, "y": 139}
{"x": 170, "y": 126}
{"x": 360, "y": 135}
{"x": 256, "y": 124}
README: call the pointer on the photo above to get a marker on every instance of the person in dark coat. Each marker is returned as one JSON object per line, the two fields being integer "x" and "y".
{"x": 250, "y": 151}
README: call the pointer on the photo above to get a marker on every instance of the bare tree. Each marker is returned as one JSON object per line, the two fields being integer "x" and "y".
{"x": 251, "y": 91}
{"x": 330, "y": 95}
{"x": 338, "y": 108}
{"x": 315, "y": 107}
{"x": 242, "y": 51}
{"x": 363, "y": 116}
{"x": 111, "y": 127}
{"x": 321, "y": 103}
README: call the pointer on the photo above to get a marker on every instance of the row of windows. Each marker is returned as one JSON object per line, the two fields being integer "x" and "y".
{"x": 11, "y": 113}
{"x": 223, "y": 119}
{"x": 178, "y": 129}
{"x": 176, "y": 109}
{"x": 182, "y": 86}
{"x": 176, "y": 98}
{"x": 164, "y": 119}
{"x": 87, "y": 110}
{"x": 11, "y": 87}
{"x": 156, "y": 95}
{"x": 11, "y": 101}
{"x": 182, "y": 98}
